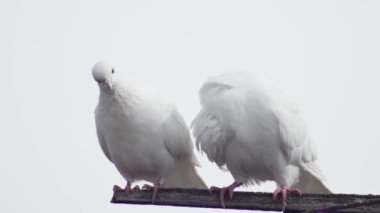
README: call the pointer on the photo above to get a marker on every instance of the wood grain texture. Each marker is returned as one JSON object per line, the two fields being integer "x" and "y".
{"x": 253, "y": 201}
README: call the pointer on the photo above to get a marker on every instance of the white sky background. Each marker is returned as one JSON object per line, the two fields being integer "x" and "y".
{"x": 325, "y": 53}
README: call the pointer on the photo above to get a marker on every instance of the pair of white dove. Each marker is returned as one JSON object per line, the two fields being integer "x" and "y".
{"x": 244, "y": 124}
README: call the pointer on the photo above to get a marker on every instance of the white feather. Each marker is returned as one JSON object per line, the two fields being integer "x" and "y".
{"x": 256, "y": 131}
{"x": 142, "y": 133}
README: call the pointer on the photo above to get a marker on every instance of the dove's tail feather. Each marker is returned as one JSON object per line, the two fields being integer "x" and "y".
{"x": 311, "y": 183}
{"x": 185, "y": 176}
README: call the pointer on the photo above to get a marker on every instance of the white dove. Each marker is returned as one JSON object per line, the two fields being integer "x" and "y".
{"x": 257, "y": 132}
{"x": 142, "y": 133}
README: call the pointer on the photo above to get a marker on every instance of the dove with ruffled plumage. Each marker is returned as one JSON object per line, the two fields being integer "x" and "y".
{"x": 257, "y": 132}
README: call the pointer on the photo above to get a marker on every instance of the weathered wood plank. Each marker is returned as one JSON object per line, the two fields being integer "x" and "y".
{"x": 252, "y": 201}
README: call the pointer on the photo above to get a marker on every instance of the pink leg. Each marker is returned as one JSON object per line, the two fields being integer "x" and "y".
{"x": 284, "y": 190}
{"x": 127, "y": 188}
{"x": 230, "y": 189}
{"x": 157, "y": 186}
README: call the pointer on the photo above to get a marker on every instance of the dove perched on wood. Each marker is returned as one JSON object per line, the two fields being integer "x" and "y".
{"x": 257, "y": 132}
{"x": 142, "y": 133}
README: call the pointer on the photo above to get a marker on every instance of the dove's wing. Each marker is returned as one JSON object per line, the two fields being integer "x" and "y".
{"x": 210, "y": 137}
{"x": 101, "y": 139}
{"x": 160, "y": 112}
{"x": 211, "y": 127}
{"x": 177, "y": 141}
{"x": 300, "y": 149}
{"x": 176, "y": 136}
{"x": 296, "y": 142}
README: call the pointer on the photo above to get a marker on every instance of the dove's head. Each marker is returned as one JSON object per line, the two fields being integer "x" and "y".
{"x": 104, "y": 74}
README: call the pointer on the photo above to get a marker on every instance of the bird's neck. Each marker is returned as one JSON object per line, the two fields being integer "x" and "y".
{"x": 117, "y": 95}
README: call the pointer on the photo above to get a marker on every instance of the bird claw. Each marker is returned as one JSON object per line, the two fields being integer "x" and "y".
{"x": 116, "y": 188}
{"x": 284, "y": 191}
{"x": 147, "y": 187}
{"x": 223, "y": 190}
{"x": 155, "y": 189}
{"x": 136, "y": 188}
{"x": 127, "y": 188}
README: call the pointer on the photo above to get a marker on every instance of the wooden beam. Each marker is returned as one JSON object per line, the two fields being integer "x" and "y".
{"x": 253, "y": 201}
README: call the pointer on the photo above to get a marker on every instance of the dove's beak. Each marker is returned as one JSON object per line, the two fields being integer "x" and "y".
{"x": 106, "y": 82}
{"x": 109, "y": 84}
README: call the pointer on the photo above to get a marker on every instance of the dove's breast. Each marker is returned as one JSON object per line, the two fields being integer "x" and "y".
{"x": 133, "y": 141}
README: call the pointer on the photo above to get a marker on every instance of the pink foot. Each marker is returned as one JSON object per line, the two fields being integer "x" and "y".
{"x": 284, "y": 190}
{"x": 155, "y": 188}
{"x": 147, "y": 187}
{"x": 136, "y": 188}
{"x": 117, "y": 188}
{"x": 127, "y": 188}
{"x": 230, "y": 189}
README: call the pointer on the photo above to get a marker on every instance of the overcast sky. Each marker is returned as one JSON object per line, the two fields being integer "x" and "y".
{"x": 325, "y": 53}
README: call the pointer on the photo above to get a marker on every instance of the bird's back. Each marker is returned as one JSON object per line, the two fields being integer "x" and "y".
{"x": 235, "y": 109}
{"x": 252, "y": 127}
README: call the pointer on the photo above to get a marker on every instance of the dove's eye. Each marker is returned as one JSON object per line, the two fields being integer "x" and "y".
{"x": 113, "y": 70}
